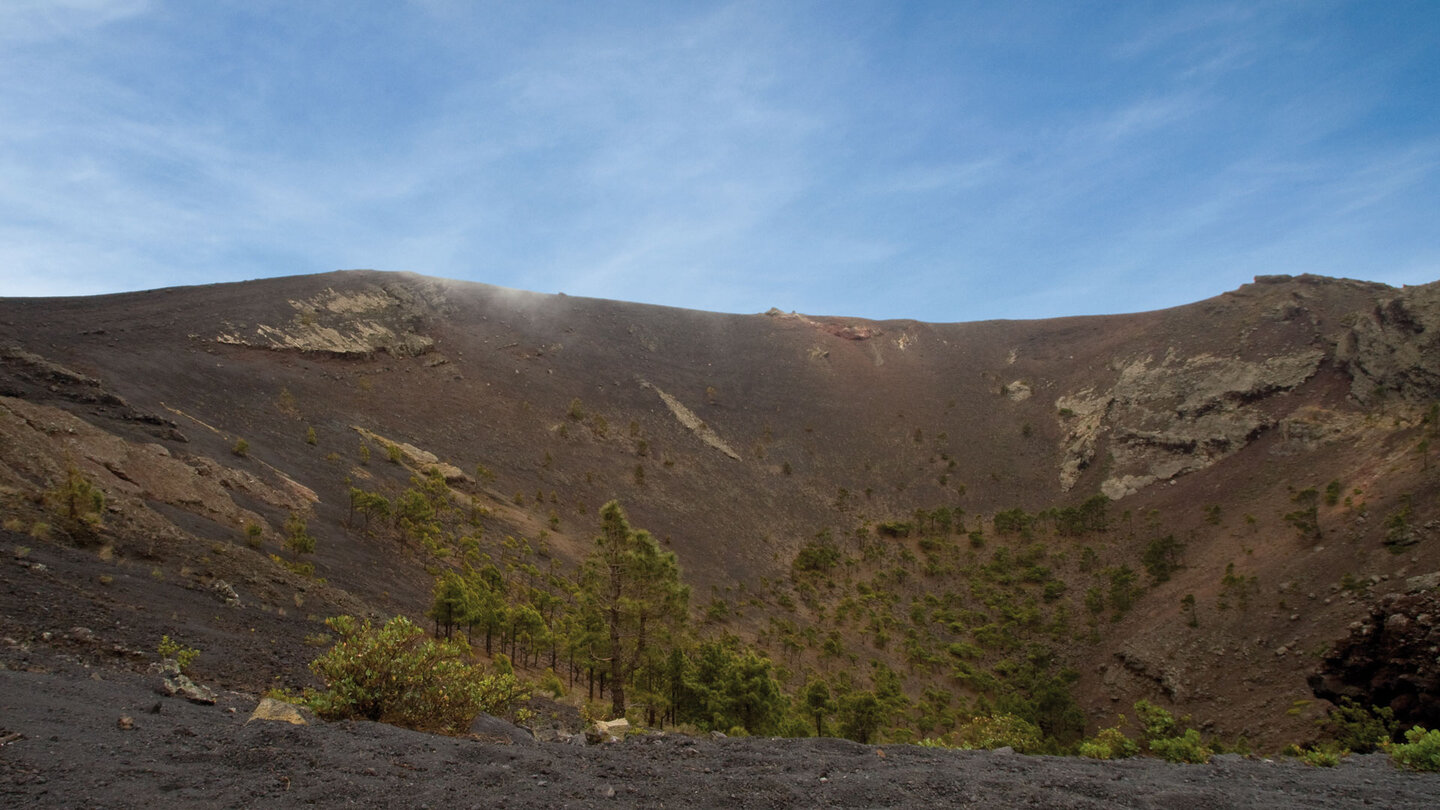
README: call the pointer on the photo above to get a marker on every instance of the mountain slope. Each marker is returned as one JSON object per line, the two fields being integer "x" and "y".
{"x": 736, "y": 439}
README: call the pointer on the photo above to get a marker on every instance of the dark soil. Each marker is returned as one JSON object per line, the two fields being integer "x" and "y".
{"x": 71, "y": 751}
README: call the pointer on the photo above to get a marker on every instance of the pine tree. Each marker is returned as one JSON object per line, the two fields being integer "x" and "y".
{"x": 636, "y": 588}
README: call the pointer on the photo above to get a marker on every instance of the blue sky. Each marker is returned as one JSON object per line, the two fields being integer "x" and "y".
{"x": 944, "y": 161}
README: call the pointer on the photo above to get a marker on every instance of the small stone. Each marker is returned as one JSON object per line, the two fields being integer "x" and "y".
{"x": 125, "y": 723}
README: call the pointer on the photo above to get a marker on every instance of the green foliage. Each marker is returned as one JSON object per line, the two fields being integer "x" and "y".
{"x": 297, "y": 538}
{"x": 819, "y": 704}
{"x": 1155, "y": 721}
{"x": 988, "y": 732}
{"x": 1419, "y": 752}
{"x": 738, "y": 688}
{"x": 551, "y": 683}
{"x": 394, "y": 454}
{"x": 1332, "y": 493}
{"x": 576, "y": 411}
{"x": 894, "y": 528}
{"x": 1162, "y": 558}
{"x": 254, "y": 534}
{"x": 77, "y": 501}
{"x": 1090, "y": 516}
{"x": 1361, "y": 729}
{"x": 1317, "y": 756}
{"x": 1013, "y": 521}
{"x": 1186, "y": 747}
{"x": 635, "y": 588}
{"x": 1306, "y": 521}
{"x": 1124, "y": 589}
{"x": 1398, "y": 534}
{"x": 860, "y": 716}
{"x": 182, "y": 655}
{"x": 1109, "y": 743}
{"x": 310, "y": 437}
{"x": 1167, "y": 738}
{"x": 395, "y": 674}
{"x": 1235, "y": 588}
{"x": 241, "y": 448}
{"x": 1187, "y": 606}
{"x": 817, "y": 556}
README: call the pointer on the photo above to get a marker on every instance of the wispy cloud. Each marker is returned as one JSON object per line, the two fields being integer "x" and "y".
{"x": 930, "y": 161}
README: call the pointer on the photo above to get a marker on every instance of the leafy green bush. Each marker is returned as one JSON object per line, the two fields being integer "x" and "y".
{"x": 1167, "y": 738}
{"x": 1187, "y": 747}
{"x": 1419, "y": 752}
{"x": 1361, "y": 729}
{"x": 997, "y": 731}
{"x": 396, "y": 674}
{"x": 1317, "y": 756}
{"x": 1109, "y": 743}
{"x": 1154, "y": 721}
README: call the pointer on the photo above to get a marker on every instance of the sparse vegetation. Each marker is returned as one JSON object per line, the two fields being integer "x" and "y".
{"x": 182, "y": 655}
{"x": 77, "y": 502}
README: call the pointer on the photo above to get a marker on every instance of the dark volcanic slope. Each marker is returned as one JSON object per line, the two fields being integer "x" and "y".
{"x": 735, "y": 439}
{"x": 72, "y": 753}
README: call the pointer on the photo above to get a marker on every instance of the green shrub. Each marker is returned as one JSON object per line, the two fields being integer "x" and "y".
{"x": 77, "y": 500}
{"x": 1187, "y": 747}
{"x": 1154, "y": 721}
{"x": 998, "y": 731}
{"x": 396, "y": 674}
{"x": 241, "y": 448}
{"x": 1419, "y": 752}
{"x": 1162, "y": 558}
{"x": 1317, "y": 756}
{"x": 1361, "y": 729}
{"x": 1167, "y": 738}
{"x": 1109, "y": 743}
{"x": 182, "y": 656}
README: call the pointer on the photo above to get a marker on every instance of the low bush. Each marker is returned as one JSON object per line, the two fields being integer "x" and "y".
{"x": 998, "y": 731}
{"x": 1168, "y": 738}
{"x": 1109, "y": 743}
{"x": 1187, "y": 747}
{"x": 182, "y": 656}
{"x": 1419, "y": 752}
{"x": 1360, "y": 728}
{"x": 396, "y": 674}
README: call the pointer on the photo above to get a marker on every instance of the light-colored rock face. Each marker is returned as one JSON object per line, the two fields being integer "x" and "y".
{"x": 1178, "y": 415}
{"x": 354, "y": 323}
{"x": 44, "y": 441}
{"x": 1396, "y": 347}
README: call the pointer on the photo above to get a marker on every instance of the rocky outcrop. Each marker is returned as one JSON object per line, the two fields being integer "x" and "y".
{"x": 348, "y": 324}
{"x": 416, "y": 457}
{"x": 174, "y": 683}
{"x": 1391, "y": 658}
{"x": 692, "y": 422}
{"x": 1395, "y": 348}
{"x": 1172, "y": 417}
